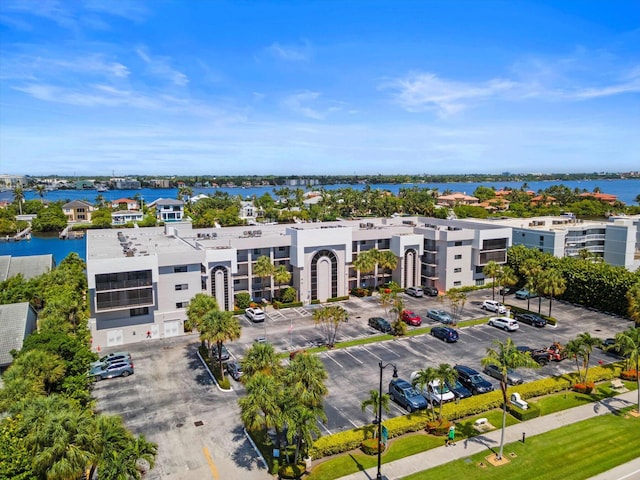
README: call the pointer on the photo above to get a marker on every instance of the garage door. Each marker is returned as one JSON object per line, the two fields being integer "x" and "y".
{"x": 172, "y": 328}
{"x": 114, "y": 338}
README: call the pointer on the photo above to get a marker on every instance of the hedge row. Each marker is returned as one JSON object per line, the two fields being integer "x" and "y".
{"x": 532, "y": 412}
{"x": 277, "y": 304}
{"x": 351, "y": 439}
{"x": 337, "y": 299}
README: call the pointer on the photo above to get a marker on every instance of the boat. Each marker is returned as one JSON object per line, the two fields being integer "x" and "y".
{"x": 102, "y": 188}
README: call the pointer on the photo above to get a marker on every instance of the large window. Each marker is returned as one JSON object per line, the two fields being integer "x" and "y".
{"x": 124, "y": 298}
{"x": 117, "y": 281}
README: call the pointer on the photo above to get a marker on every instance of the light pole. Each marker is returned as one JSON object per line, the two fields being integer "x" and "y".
{"x": 395, "y": 375}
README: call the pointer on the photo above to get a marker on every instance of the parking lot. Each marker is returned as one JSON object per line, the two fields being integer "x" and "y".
{"x": 172, "y": 400}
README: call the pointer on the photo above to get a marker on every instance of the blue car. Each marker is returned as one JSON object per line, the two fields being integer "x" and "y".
{"x": 523, "y": 294}
{"x": 440, "y": 316}
{"x": 447, "y": 334}
{"x": 403, "y": 393}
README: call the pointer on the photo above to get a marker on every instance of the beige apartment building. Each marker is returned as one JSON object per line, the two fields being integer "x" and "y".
{"x": 141, "y": 280}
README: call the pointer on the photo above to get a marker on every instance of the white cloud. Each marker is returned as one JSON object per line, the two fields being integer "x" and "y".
{"x": 160, "y": 66}
{"x": 303, "y": 103}
{"x": 289, "y": 53}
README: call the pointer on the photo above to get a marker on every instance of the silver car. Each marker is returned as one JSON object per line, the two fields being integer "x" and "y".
{"x": 513, "y": 378}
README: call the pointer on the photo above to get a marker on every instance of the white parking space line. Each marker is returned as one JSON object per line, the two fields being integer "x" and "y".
{"x": 355, "y": 358}
{"x": 324, "y": 426}
{"x": 334, "y": 360}
{"x": 275, "y": 315}
{"x": 370, "y": 353}
{"x": 302, "y": 312}
{"x": 388, "y": 349}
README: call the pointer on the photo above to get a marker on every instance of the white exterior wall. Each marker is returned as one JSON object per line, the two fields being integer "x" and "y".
{"x": 620, "y": 243}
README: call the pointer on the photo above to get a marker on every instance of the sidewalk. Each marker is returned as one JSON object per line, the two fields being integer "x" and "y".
{"x": 470, "y": 446}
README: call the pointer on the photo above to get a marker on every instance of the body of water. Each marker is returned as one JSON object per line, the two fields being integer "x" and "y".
{"x": 626, "y": 191}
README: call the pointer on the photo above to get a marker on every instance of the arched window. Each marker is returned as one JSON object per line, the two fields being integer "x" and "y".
{"x": 324, "y": 275}
{"x": 410, "y": 268}
{"x": 220, "y": 286}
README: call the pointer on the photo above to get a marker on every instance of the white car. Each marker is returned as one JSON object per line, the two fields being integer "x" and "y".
{"x": 255, "y": 314}
{"x": 505, "y": 323}
{"x": 415, "y": 291}
{"x": 434, "y": 393}
{"x": 494, "y": 306}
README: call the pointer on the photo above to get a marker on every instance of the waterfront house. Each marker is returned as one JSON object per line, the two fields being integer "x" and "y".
{"x": 78, "y": 211}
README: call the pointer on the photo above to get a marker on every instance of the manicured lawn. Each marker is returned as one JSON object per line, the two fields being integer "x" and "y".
{"x": 352, "y": 462}
{"x": 399, "y": 448}
{"x": 575, "y": 452}
{"x": 562, "y": 401}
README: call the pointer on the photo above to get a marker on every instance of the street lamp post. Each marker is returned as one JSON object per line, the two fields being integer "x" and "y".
{"x": 395, "y": 375}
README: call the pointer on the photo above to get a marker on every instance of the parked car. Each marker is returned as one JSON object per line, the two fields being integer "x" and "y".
{"x": 472, "y": 379}
{"x": 531, "y": 319}
{"x": 447, "y": 334}
{"x": 505, "y": 323}
{"x": 224, "y": 355}
{"x": 507, "y": 291}
{"x": 435, "y": 393}
{"x": 380, "y": 324}
{"x": 414, "y": 291}
{"x": 255, "y": 314}
{"x": 431, "y": 291}
{"x": 459, "y": 390}
{"x": 111, "y": 370}
{"x": 540, "y": 355}
{"x": 494, "y": 306}
{"x": 523, "y": 294}
{"x": 111, "y": 358}
{"x": 513, "y": 378}
{"x": 411, "y": 318}
{"x": 440, "y": 316}
{"x": 235, "y": 370}
{"x": 401, "y": 392}
{"x": 609, "y": 345}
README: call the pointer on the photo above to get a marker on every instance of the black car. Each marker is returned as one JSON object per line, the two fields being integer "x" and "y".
{"x": 380, "y": 324}
{"x": 459, "y": 390}
{"x": 531, "y": 319}
{"x": 507, "y": 291}
{"x": 447, "y": 334}
{"x": 431, "y": 291}
{"x": 473, "y": 380}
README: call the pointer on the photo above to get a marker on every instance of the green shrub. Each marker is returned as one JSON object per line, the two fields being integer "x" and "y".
{"x": 532, "y": 412}
{"x": 292, "y": 471}
{"x": 315, "y": 302}
{"x": 370, "y": 446}
{"x": 337, "y": 299}
{"x": 243, "y": 300}
{"x": 278, "y": 305}
{"x": 289, "y": 295}
{"x": 360, "y": 292}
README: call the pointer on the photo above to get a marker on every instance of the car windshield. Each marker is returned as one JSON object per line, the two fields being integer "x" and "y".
{"x": 410, "y": 392}
{"x": 476, "y": 379}
{"x": 441, "y": 389}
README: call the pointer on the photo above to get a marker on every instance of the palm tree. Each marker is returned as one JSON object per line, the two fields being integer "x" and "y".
{"x": 261, "y": 407}
{"x": 303, "y": 426}
{"x": 374, "y": 401}
{"x": 184, "y": 193}
{"x": 398, "y": 326}
{"x": 633, "y": 297}
{"x": 306, "y": 376}
{"x": 530, "y": 268}
{"x": 508, "y": 278}
{"x": 446, "y": 374}
{"x": 221, "y": 327}
{"x": 386, "y": 259}
{"x": 422, "y": 379}
{"x": 41, "y": 190}
{"x": 552, "y": 283}
{"x": 365, "y": 262}
{"x": 18, "y": 196}
{"x": 491, "y": 269}
{"x": 198, "y": 307}
{"x": 581, "y": 348}
{"x": 263, "y": 268}
{"x": 506, "y": 356}
{"x": 629, "y": 344}
{"x": 281, "y": 275}
{"x": 457, "y": 299}
{"x": 262, "y": 358}
{"x": 330, "y": 318}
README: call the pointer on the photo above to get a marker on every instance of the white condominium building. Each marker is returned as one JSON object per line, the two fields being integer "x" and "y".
{"x": 141, "y": 280}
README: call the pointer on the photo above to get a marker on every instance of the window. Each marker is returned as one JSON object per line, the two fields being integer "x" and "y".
{"x": 256, "y": 251}
{"x": 457, "y": 284}
{"x": 236, "y": 281}
{"x": 180, "y": 269}
{"x": 182, "y": 304}
{"x": 458, "y": 243}
{"x": 457, "y": 270}
{"x": 479, "y": 282}
{"x": 281, "y": 249}
{"x": 458, "y": 257}
{"x": 182, "y": 286}
{"x": 136, "y": 312}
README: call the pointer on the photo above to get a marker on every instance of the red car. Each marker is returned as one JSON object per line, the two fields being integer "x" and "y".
{"x": 411, "y": 318}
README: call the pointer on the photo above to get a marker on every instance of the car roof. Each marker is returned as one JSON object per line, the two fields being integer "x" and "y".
{"x": 401, "y": 383}
{"x": 464, "y": 368}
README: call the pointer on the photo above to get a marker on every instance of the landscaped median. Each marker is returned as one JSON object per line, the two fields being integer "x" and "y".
{"x": 486, "y": 404}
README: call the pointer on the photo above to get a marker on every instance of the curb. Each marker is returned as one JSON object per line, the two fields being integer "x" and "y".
{"x": 258, "y": 453}
{"x": 211, "y": 374}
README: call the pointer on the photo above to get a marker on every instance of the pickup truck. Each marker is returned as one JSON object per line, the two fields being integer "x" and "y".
{"x": 540, "y": 355}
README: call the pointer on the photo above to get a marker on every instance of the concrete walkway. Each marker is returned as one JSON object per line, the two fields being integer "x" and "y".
{"x": 482, "y": 443}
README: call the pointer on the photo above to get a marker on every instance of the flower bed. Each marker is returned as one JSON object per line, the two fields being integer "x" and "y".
{"x": 629, "y": 375}
{"x": 583, "y": 387}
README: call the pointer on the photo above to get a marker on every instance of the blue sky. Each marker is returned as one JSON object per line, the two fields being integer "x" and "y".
{"x": 326, "y": 87}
